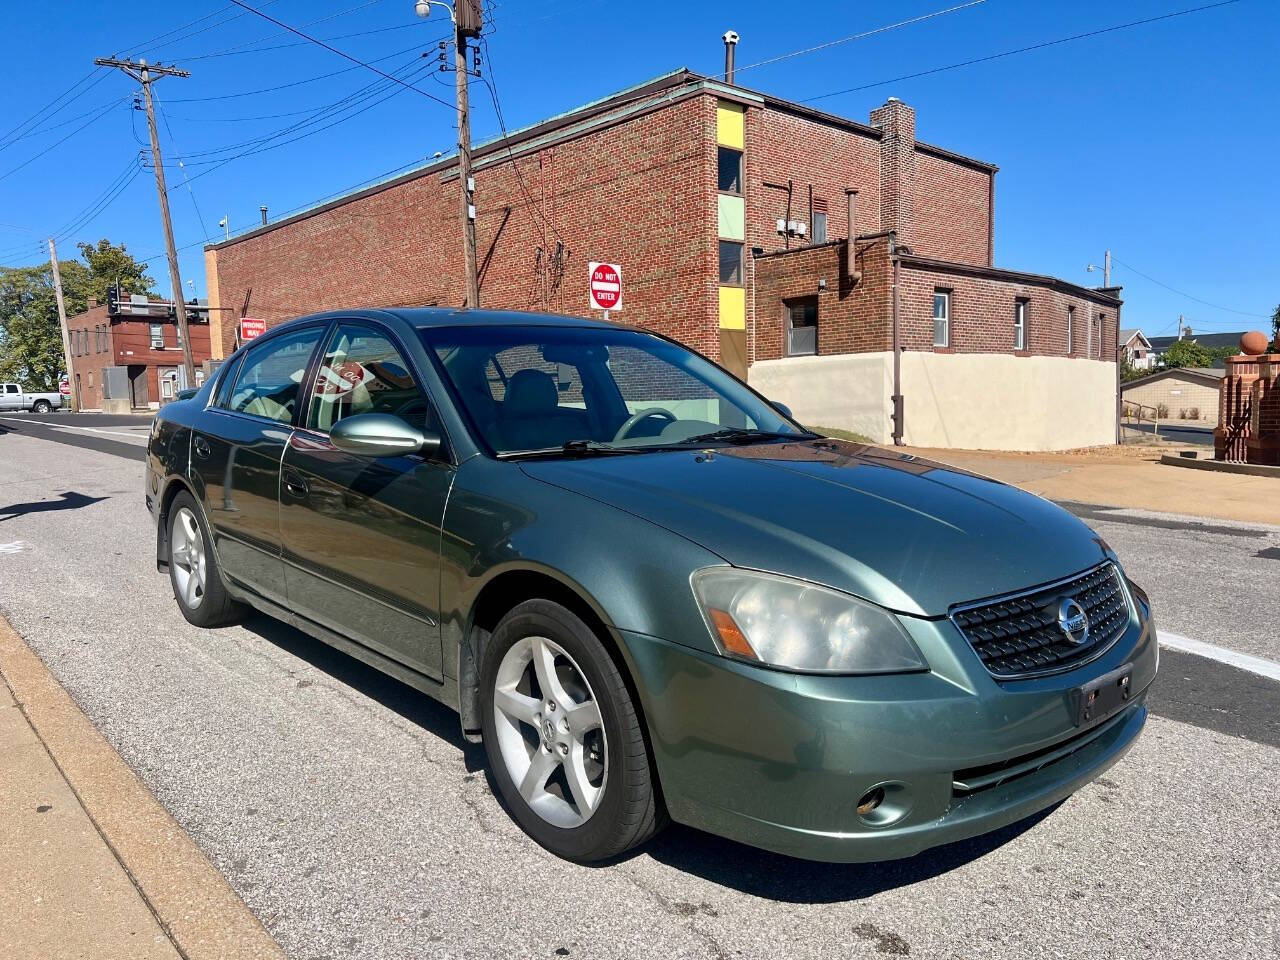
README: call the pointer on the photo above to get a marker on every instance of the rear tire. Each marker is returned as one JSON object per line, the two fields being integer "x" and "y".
{"x": 565, "y": 743}
{"x": 42, "y": 406}
{"x": 193, "y": 568}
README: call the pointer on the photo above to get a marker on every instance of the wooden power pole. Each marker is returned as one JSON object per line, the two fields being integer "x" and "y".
{"x": 62, "y": 322}
{"x": 467, "y": 23}
{"x": 146, "y": 74}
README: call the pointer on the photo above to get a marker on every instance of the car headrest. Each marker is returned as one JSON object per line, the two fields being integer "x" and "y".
{"x": 530, "y": 393}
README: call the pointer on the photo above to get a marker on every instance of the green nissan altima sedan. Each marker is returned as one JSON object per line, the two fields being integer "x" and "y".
{"x": 649, "y": 591}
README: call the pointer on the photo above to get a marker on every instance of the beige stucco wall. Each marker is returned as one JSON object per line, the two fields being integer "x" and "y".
{"x": 1178, "y": 395}
{"x": 992, "y": 401}
{"x": 846, "y": 391}
{"x": 976, "y": 401}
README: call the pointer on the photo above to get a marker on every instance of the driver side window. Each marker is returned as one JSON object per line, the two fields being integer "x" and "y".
{"x": 363, "y": 372}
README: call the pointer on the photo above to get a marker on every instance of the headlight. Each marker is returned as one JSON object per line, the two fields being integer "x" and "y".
{"x": 800, "y": 626}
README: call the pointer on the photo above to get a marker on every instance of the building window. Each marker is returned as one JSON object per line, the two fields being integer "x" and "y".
{"x": 730, "y": 262}
{"x": 942, "y": 318}
{"x": 819, "y": 232}
{"x": 1071, "y": 330}
{"x": 157, "y": 336}
{"x": 1020, "y": 325}
{"x": 730, "y": 170}
{"x": 802, "y": 327}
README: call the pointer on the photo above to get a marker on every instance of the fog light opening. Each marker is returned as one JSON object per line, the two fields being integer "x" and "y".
{"x": 870, "y": 801}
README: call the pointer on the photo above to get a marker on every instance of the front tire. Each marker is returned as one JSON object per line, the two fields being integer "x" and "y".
{"x": 564, "y": 741}
{"x": 193, "y": 568}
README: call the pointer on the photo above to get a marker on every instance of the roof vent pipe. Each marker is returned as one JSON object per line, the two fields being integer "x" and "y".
{"x": 263, "y": 210}
{"x": 730, "y": 41}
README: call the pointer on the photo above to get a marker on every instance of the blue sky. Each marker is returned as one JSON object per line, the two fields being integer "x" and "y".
{"x": 1160, "y": 142}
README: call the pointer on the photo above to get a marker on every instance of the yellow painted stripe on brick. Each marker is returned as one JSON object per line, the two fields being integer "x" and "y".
{"x": 732, "y": 216}
{"x": 730, "y": 125}
{"x": 733, "y": 308}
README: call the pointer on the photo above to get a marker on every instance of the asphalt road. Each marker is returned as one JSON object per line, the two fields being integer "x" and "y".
{"x": 349, "y": 814}
{"x": 1178, "y": 433}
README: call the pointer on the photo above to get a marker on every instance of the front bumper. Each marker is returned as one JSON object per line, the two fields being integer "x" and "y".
{"x": 780, "y": 760}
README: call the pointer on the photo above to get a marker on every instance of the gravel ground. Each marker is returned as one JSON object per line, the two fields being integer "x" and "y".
{"x": 347, "y": 812}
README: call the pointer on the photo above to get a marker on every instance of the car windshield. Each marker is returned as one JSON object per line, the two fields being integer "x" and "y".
{"x": 578, "y": 390}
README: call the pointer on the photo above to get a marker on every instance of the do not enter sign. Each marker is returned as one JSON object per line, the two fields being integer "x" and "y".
{"x": 604, "y": 287}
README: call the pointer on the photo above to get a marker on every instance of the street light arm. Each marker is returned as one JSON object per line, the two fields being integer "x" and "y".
{"x": 423, "y": 9}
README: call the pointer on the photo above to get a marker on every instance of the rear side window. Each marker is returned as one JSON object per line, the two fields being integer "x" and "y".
{"x": 271, "y": 374}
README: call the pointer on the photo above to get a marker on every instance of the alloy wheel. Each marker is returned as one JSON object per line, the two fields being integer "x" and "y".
{"x": 550, "y": 733}
{"x": 187, "y": 558}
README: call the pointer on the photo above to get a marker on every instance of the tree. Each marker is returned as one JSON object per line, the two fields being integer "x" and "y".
{"x": 1129, "y": 372}
{"x": 30, "y": 335}
{"x": 1186, "y": 353}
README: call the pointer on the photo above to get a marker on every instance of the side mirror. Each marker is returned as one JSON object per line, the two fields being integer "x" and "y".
{"x": 381, "y": 435}
{"x": 783, "y": 409}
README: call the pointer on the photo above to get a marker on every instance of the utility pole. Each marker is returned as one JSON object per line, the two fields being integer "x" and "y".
{"x": 466, "y": 26}
{"x": 1106, "y": 269}
{"x": 143, "y": 73}
{"x": 66, "y": 334}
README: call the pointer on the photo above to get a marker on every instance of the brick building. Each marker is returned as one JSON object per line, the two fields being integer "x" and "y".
{"x": 126, "y": 354}
{"x": 730, "y": 212}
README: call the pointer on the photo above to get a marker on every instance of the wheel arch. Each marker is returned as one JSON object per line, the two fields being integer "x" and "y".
{"x": 174, "y": 486}
{"x": 501, "y": 592}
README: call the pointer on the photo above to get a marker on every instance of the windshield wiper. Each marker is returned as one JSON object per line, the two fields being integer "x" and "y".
{"x": 572, "y": 448}
{"x": 744, "y": 435}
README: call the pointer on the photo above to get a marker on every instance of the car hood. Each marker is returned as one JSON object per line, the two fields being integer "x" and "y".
{"x": 907, "y": 533}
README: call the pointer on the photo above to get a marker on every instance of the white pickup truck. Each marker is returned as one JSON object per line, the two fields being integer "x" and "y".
{"x": 12, "y": 398}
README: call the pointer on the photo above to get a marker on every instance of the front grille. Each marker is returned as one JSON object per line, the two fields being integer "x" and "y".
{"x": 1018, "y": 636}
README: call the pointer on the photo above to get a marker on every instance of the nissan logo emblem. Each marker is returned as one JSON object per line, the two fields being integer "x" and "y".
{"x": 1073, "y": 621}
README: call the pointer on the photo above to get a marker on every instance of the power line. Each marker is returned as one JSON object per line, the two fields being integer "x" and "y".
{"x": 1026, "y": 49}
{"x": 185, "y": 179}
{"x": 52, "y": 146}
{"x": 241, "y": 50}
{"x": 113, "y": 190}
{"x": 860, "y": 36}
{"x": 1216, "y": 306}
{"x": 345, "y": 56}
{"x": 310, "y": 23}
{"x": 52, "y": 108}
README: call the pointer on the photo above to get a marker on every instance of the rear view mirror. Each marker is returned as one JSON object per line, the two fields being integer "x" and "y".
{"x": 381, "y": 435}
{"x": 783, "y": 409}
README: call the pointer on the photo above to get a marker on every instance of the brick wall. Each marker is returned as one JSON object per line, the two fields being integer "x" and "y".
{"x": 858, "y": 319}
{"x": 982, "y": 313}
{"x": 851, "y": 318}
{"x": 639, "y": 192}
{"x": 952, "y": 210}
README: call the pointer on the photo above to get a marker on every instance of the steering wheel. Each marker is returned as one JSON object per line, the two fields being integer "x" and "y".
{"x": 412, "y": 405}
{"x": 630, "y": 423}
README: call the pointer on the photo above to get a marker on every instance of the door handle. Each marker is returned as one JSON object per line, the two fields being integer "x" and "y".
{"x": 201, "y": 447}
{"x": 295, "y": 484}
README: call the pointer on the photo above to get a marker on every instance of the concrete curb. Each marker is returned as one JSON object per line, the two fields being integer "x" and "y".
{"x": 192, "y": 901}
{"x": 1222, "y": 466}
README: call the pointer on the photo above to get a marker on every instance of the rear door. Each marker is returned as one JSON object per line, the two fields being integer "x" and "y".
{"x": 361, "y": 535}
{"x": 236, "y": 448}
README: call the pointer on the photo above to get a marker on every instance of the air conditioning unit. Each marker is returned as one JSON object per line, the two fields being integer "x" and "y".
{"x": 782, "y": 226}
{"x": 800, "y": 227}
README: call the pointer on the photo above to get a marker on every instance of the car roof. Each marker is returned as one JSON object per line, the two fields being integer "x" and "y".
{"x": 428, "y": 317}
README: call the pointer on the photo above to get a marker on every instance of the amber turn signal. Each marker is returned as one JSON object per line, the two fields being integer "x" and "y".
{"x": 731, "y": 637}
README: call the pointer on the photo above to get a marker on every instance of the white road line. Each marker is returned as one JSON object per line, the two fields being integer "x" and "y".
{"x": 1233, "y": 658}
{"x": 67, "y": 426}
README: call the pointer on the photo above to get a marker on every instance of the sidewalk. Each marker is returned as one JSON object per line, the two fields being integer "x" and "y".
{"x": 90, "y": 864}
{"x": 1125, "y": 477}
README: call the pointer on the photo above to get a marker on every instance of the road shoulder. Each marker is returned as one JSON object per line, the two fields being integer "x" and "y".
{"x": 141, "y": 858}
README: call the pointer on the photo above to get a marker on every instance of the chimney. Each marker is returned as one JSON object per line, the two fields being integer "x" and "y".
{"x": 263, "y": 209}
{"x": 851, "y": 252}
{"x": 730, "y": 41}
{"x": 93, "y": 302}
{"x": 897, "y": 123}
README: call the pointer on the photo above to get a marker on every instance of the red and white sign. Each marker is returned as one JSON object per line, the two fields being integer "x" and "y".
{"x": 341, "y": 379}
{"x": 252, "y": 328}
{"x": 64, "y": 387}
{"x": 604, "y": 286}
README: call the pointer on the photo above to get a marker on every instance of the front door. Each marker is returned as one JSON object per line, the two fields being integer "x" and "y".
{"x": 168, "y": 380}
{"x": 138, "y": 395}
{"x": 361, "y": 535}
{"x": 11, "y": 396}
{"x": 236, "y": 448}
